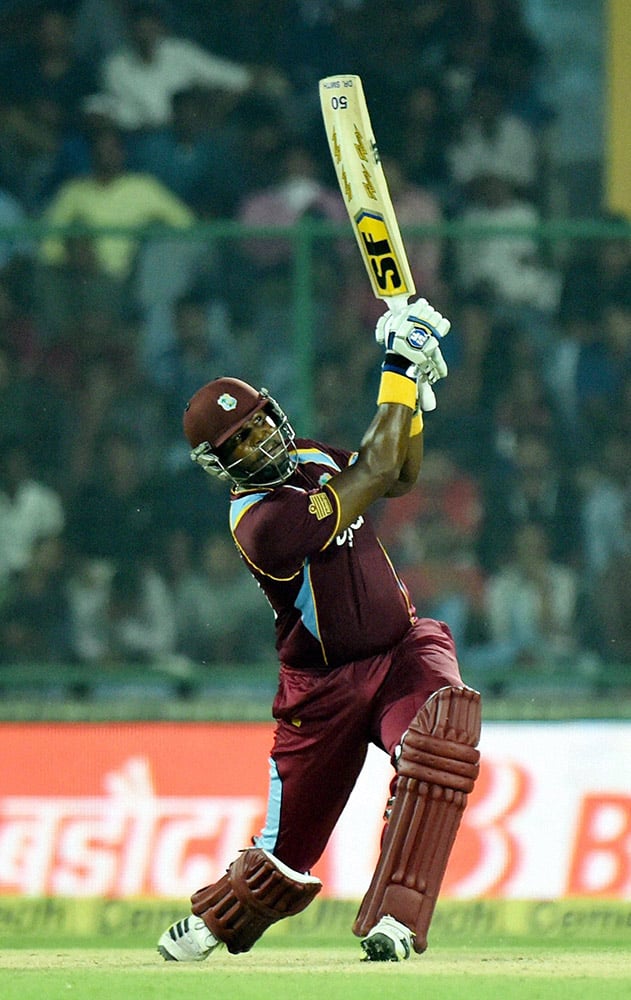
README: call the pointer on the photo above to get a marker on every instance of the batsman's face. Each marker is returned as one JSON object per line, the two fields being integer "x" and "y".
{"x": 244, "y": 443}
{"x": 257, "y": 451}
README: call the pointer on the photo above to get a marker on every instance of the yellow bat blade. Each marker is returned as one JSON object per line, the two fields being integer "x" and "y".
{"x": 364, "y": 187}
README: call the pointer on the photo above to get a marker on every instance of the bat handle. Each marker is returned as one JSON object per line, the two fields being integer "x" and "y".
{"x": 396, "y": 302}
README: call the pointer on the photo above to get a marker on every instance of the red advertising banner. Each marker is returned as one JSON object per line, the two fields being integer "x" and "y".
{"x": 148, "y": 809}
{"x": 157, "y": 810}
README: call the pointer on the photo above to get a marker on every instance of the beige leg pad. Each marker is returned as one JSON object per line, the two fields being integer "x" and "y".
{"x": 256, "y": 891}
{"x": 436, "y": 771}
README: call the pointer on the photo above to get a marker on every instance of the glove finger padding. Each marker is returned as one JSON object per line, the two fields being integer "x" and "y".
{"x": 382, "y": 327}
{"x": 431, "y": 364}
{"x": 443, "y": 326}
{"x": 426, "y": 396}
{"x": 417, "y": 344}
{"x": 424, "y": 312}
{"x": 418, "y": 312}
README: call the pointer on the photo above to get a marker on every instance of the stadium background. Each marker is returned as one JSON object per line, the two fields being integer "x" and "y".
{"x": 93, "y": 801}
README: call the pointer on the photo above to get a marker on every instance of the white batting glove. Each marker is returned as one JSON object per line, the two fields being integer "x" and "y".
{"x": 426, "y": 396}
{"x": 383, "y": 323}
{"x": 414, "y": 332}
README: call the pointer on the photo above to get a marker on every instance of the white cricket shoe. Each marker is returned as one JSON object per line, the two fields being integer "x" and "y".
{"x": 388, "y": 941}
{"x": 187, "y": 940}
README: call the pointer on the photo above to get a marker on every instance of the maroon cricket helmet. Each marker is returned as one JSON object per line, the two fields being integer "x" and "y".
{"x": 219, "y": 409}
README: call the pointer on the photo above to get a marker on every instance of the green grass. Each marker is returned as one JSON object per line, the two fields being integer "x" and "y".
{"x": 275, "y": 972}
{"x": 483, "y": 950}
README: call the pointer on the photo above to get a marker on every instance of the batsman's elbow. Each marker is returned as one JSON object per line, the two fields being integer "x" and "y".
{"x": 399, "y": 489}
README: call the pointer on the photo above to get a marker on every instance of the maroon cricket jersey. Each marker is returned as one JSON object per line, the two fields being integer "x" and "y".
{"x": 335, "y": 595}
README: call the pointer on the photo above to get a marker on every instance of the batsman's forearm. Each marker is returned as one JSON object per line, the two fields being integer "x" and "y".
{"x": 385, "y": 446}
{"x": 380, "y": 459}
{"x": 410, "y": 468}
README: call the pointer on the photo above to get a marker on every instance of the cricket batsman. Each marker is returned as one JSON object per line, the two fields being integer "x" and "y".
{"x": 357, "y": 664}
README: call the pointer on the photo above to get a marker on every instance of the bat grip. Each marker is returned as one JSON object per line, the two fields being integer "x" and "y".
{"x": 396, "y": 302}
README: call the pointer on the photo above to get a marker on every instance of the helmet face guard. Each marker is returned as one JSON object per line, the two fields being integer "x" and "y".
{"x": 219, "y": 410}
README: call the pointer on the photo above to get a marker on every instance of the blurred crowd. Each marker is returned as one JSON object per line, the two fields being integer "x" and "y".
{"x": 113, "y": 547}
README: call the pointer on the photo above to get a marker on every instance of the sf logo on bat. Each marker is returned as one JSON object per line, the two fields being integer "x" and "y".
{"x": 379, "y": 251}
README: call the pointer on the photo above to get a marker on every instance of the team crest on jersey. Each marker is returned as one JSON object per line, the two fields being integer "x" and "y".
{"x": 227, "y": 402}
{"x": 320, "y": 505}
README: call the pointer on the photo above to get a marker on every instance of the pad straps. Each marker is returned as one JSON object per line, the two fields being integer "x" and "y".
{"x": 256, "y": 891}
{"x": 436, "y": 772}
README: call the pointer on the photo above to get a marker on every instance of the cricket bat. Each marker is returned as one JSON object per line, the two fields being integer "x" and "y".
{"x": 364, "y": 188}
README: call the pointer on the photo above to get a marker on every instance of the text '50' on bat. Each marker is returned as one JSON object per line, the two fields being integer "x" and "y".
{"x": 364, "y": 188}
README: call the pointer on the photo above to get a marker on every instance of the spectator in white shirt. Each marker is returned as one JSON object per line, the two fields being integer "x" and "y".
{"x": 507, "y": 266}
{"x": 140, "y": 615}
{"x": 141, "y": 78}
{"x": 493, "y": 140}
{"x": 30, "y": 510}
